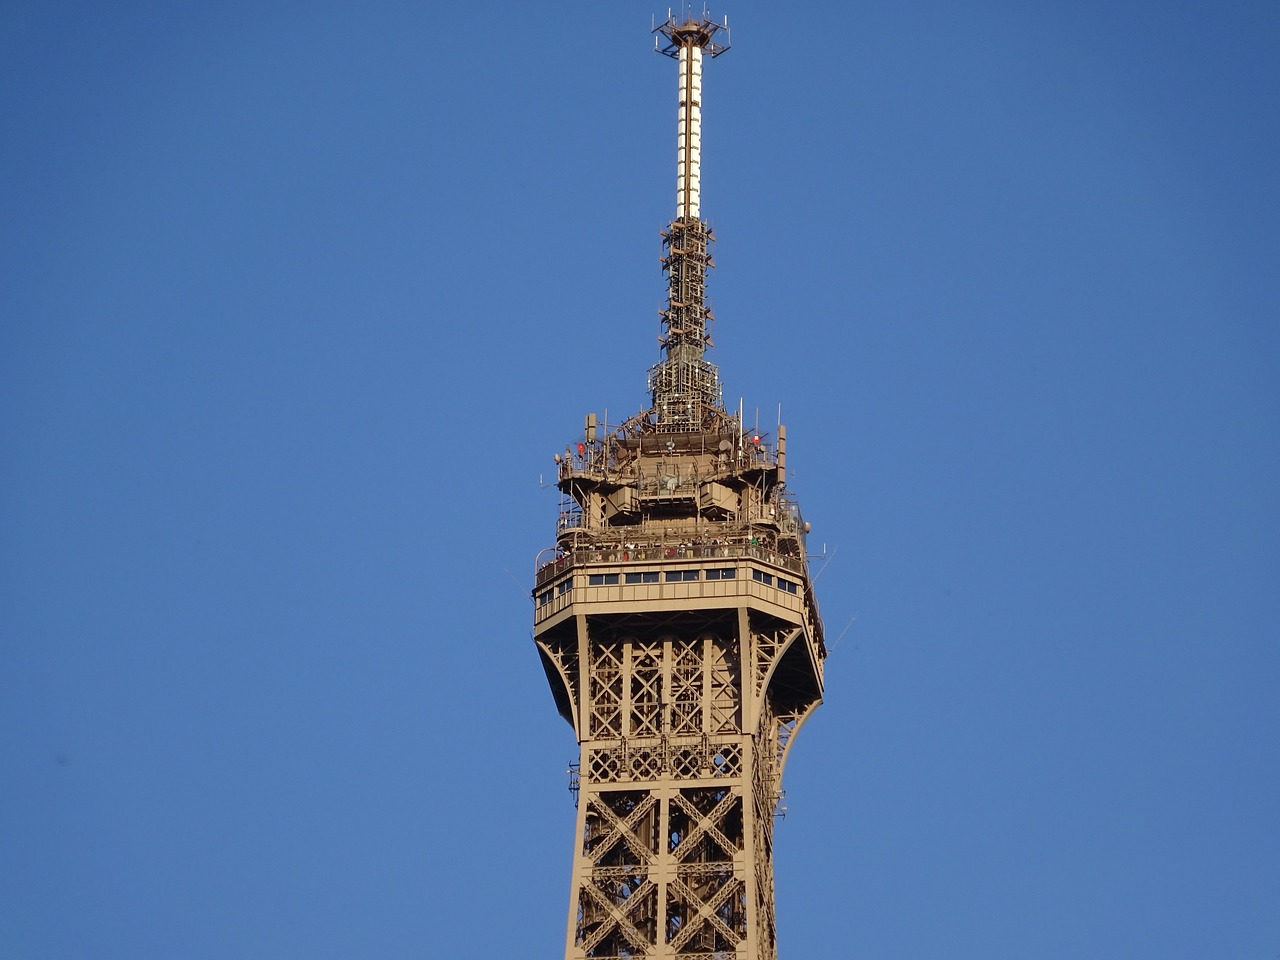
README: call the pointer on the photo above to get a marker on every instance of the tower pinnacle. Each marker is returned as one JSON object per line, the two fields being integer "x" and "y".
{"x": 686, "y": 387}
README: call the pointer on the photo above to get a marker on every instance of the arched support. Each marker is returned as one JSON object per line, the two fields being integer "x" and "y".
{"x": 561, "y": 683}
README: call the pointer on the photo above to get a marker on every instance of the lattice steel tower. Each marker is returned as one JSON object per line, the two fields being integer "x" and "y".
{"x": 677, "y": 624}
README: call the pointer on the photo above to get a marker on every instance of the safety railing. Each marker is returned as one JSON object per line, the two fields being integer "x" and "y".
{"x": 616, "y": 553}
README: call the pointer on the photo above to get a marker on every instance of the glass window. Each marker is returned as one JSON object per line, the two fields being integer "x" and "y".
{"x": 564, "y": 586}
{"x": 721, "y": 573}
{"x": 678, "y": 575}
{"x": 760, "y": 577}
{"x": 633, "y": 578}
{"x": 600, "y": 579}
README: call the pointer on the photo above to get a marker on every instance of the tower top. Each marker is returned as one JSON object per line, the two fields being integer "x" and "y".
{"x": 685, "y": 386}
{"x": 691, "y": 32}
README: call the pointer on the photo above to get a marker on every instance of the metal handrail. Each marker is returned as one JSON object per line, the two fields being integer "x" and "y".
{"x": 655, "y": 552}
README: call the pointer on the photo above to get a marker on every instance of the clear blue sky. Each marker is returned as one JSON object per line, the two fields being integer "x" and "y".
{"x": 298, "y": 300}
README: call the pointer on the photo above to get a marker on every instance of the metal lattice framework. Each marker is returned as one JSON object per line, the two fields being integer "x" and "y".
{"x": 677, "y": 625}
{"x": 684, "y": 732}
{"x": 684, "y": 383}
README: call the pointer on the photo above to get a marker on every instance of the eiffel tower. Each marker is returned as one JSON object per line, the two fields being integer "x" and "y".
{"x": 676, "y": 621}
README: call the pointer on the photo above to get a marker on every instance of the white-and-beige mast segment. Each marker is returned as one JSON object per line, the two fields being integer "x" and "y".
{"x": 688, "y": 47}
{"x": 689, "y": 161}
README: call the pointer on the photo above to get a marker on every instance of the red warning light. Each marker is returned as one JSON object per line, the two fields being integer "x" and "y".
{"x": 582, "y": 448}
{"x": 756, "y": 438}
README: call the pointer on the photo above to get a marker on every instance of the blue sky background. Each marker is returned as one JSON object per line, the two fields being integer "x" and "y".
{"x": 298, "y": 301}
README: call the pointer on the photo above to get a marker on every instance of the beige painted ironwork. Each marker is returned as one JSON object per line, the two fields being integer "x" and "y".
{"x": 676, "y": 621}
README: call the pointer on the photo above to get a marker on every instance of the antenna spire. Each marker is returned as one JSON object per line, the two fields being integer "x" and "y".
{"x": 684, "y": 384}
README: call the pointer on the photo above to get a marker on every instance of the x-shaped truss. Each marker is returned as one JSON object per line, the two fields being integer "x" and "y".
{"x": 708, "y": 911}
{"x": 623, "y": 829}
{"x": 706, "y": 824}
{"x": 619, "y": 917}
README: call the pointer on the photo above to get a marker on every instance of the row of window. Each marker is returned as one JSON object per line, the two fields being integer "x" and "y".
{"x": 768, "y": 580}
{"x": 671, "y": 576}
{"x": 561, "y": 588}
{"x": 651, "y": 576}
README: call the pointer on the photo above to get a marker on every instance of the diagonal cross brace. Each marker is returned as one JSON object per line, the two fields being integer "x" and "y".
{"x": 706, "y": 911}
{"x": 617, "y": 918}
{"x": 707, "y": 824}
{"x": 623, "y": 828}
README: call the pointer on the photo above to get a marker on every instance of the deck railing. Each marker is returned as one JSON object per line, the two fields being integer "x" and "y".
{"x": 657, "y": 552}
